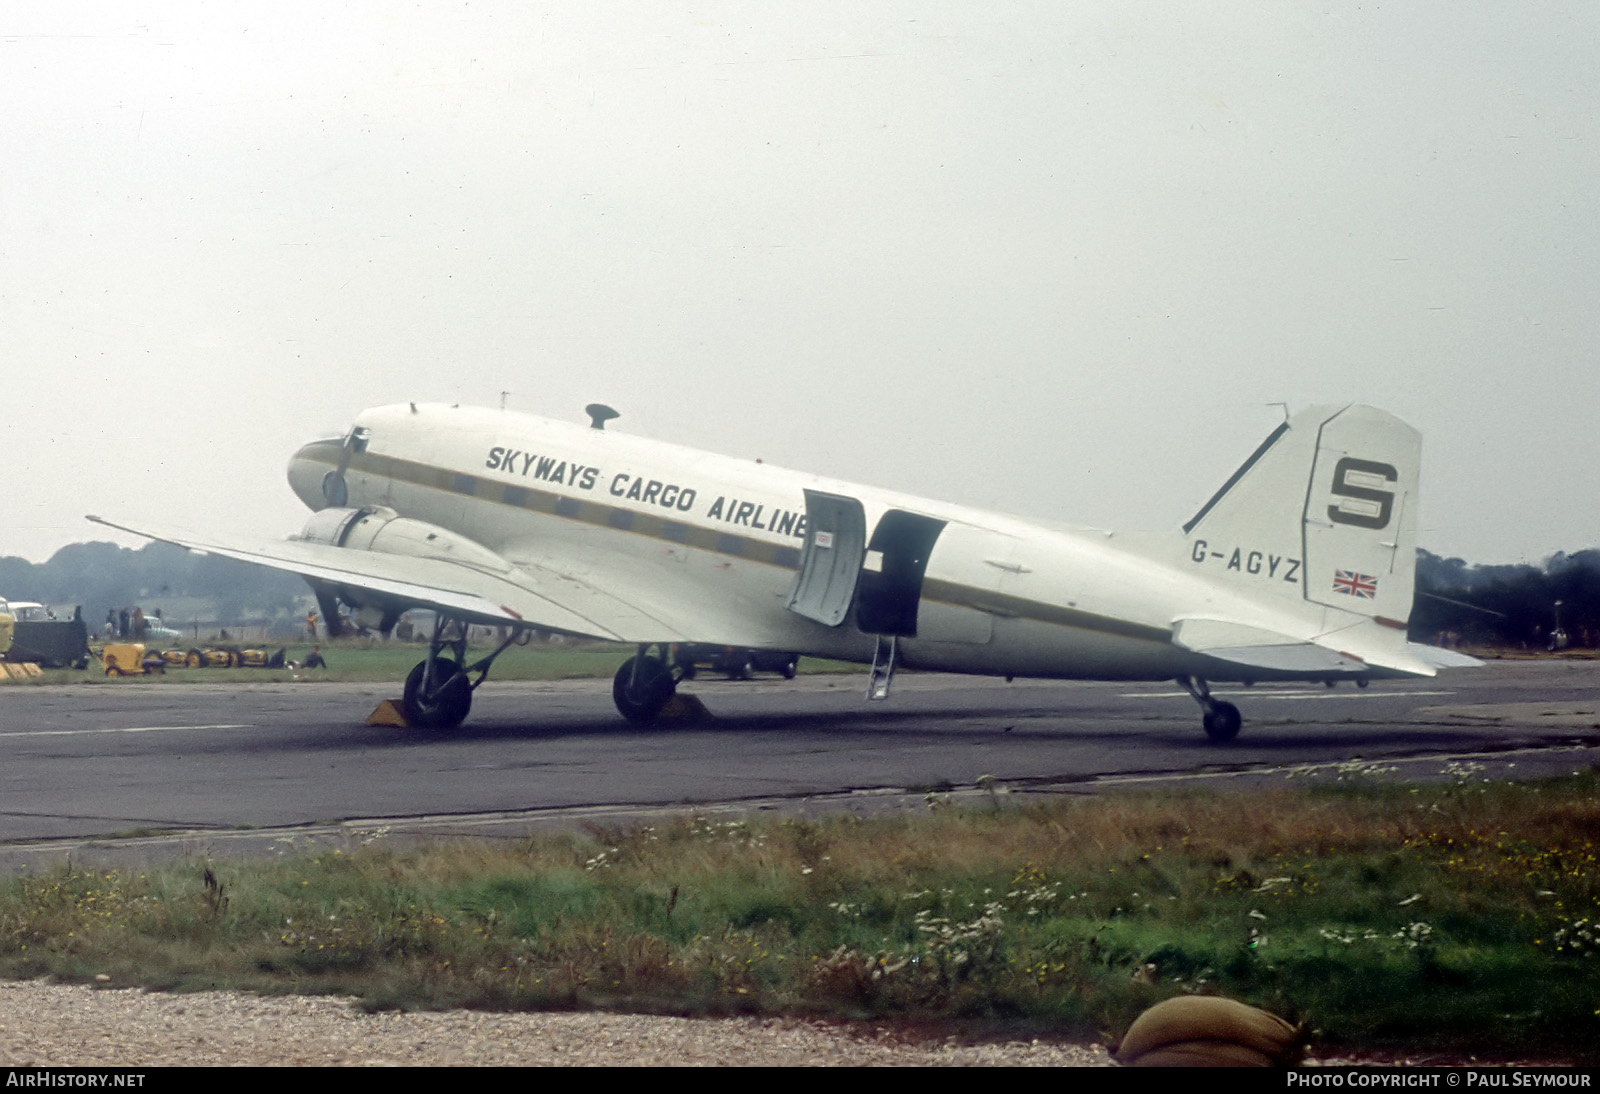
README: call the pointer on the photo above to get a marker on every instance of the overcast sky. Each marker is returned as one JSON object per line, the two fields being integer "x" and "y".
{"x": 1059, "y": 258}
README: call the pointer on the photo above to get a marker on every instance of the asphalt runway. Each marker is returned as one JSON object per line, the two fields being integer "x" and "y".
{"x": 126, "y": 767}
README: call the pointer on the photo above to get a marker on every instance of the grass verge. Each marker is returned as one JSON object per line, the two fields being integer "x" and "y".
{"x": 1455, "y": 916}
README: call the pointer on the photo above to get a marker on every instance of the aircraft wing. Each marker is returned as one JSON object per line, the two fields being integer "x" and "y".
{"x": 523, "y": 594}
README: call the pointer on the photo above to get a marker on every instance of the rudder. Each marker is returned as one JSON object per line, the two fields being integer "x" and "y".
{"x": 1323, "y": 512}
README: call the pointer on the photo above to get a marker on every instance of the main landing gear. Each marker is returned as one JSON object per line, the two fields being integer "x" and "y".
{"x": 1221, "y": 719}
{"x": 439, "y": 689}
{"x": 644, "y": 684}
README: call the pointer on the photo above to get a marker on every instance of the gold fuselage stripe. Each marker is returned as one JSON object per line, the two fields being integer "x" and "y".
{"x": 617, "y": 518}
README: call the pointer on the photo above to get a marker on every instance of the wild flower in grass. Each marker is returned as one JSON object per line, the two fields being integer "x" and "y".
{"x": 1363, "y": 769}
{"x": 1256, "y": 940}
{"x": 1414, "y": 935}
{"x": 1348, "y": 936}
{"x": 955, "y": 943}
{"x": 1347, "y": 771}
{"x": 1034, "y": 890}
{"x": 739, "y": 832}
{"x": 1580, "y": 938}
{"x": 1464, "y": 771}
{"x": 1409, "y": 937}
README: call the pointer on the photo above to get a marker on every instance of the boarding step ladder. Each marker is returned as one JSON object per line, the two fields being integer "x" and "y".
{"x": 883, "y": 658}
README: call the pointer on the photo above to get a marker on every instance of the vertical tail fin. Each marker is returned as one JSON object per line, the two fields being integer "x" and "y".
{"x": 1323, "y": 513}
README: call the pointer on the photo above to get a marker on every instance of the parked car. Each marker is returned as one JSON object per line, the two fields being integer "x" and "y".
{"x": 735, "y": 662}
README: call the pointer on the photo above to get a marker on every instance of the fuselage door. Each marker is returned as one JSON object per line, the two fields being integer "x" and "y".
{"x": 890, "y": 587}
{"x": 830, "y": 561}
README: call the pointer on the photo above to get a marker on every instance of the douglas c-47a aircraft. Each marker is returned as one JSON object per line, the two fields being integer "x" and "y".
{"x": 1299, "y": 568}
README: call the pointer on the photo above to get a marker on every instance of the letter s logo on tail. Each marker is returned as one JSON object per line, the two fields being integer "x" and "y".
{"x": 1355, "y": 482}
{"x": 1361, "y": 515}
{"x": 1330, "y": 502}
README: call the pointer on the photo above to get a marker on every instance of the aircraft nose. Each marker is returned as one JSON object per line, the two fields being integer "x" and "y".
{"x": 308, "y": 467}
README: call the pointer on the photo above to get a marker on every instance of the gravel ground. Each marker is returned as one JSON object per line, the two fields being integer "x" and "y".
{"x": 66, "y": 1025}
{"x": 55, "y": 1025}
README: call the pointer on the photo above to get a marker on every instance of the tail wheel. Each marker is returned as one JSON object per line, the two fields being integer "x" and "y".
{"x": 1222, "y": 722}
{"x": 641, "y": 695}
{"x": 445, "y": 704}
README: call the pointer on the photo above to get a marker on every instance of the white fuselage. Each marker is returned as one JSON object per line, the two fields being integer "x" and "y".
{"x": 713, "y": 544}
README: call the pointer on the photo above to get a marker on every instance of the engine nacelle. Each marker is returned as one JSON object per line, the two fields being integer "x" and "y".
{"x": 378, "y": 528}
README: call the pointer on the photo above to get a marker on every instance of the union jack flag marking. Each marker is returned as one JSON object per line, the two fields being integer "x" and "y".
{"x": 1351, "y": 583}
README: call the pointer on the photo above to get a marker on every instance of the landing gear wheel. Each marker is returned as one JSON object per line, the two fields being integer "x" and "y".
{"x": 743, "y": 670}
{"x": 790, "y": 668}
{"x": 1222, "y": 722}
{"x": 640, "y": 697}
{"x": 446, "y": 704}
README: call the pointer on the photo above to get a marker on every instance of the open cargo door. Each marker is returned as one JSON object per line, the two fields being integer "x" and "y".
{"x": 830, "y": 561}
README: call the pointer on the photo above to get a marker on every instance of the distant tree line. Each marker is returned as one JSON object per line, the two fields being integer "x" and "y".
{"x": 1509, "y": 605}
{"x": 102, "y": 577}
{"x": 1457, "y": 602}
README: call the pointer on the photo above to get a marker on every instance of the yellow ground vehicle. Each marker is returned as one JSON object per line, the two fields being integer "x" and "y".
{"x": 259, "y": 659}
{"x": 130, "y": 659}
{"x": 6, "y": 621}
{"x": 222, "y": 657}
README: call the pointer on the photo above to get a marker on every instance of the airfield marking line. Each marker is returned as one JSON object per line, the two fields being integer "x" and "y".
{"x": 124, "y": 729}
{"x": 1323, "y": 694}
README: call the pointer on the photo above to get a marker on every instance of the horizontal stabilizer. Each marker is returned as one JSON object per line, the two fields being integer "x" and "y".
{"x": 1299, "y": 657}
{"x": 1255, "y": 647}
{"x": 1441, "y": 658}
